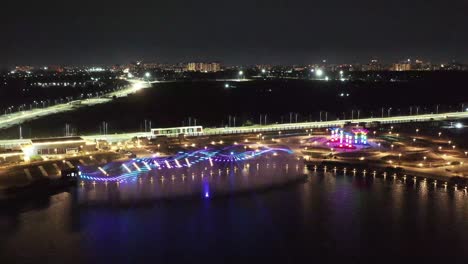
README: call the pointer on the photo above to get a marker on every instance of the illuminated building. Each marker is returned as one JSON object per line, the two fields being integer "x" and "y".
{"x": 56, "y": 146}
{"x": 176, "y": 131}
{"x": 203, "y": 67}
{"x": 263, "y": 67}
{"x": 11, "y": 156}
{"x": 374, "y": 65}
{"x": 405, "y": 66}
{"x": 25, "y": 68}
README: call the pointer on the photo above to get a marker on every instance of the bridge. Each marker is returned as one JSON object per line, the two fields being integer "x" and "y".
{"x": 326, "y": 124}
{"x": 273, "y": 127}
{"x": 295, "y": 126}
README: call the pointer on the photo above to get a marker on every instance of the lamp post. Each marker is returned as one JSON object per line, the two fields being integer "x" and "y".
{"x": 147, "y": 76}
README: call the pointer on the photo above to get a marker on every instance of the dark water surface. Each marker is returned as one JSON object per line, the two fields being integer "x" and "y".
{"x": 324, "y": 218}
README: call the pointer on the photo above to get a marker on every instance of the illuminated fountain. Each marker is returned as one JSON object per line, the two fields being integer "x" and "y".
{"x": 120, "y": 171}
{"x": 348, "y": 139}
{"x": 205, "y": 173}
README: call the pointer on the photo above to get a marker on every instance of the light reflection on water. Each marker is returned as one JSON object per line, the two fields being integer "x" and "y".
{"x": 330, "y": 215}
{"x": 204, "y": 179}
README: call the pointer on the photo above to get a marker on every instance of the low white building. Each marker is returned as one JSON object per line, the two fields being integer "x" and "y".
{"x": 56, "y": 146}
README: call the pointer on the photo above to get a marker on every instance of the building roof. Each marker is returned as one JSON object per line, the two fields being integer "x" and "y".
{"x": 58, "y": 140}
{"x": 8, "y": 153}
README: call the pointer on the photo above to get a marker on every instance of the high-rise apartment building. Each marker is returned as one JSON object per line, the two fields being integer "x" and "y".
{"x": 204, "y": 67}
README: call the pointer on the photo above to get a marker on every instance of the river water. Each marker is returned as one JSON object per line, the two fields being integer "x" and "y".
{"x": 264, "y": 211}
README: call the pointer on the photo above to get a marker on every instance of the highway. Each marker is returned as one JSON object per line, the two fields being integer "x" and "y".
{"x": 17, "y": 118}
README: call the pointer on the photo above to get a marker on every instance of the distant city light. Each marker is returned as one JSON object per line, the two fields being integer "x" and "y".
{"x": 241, "y": 73}
{"x": 226, "y": 85}
{"x": 312, "y": 70}
{"x": 458, "y": 125}
{"x": 95, "y": 69}
{"x": 147, "y": 75}
{"x": 326, "y": 78}
{"x": 263, "y": 70}
{"x": 341, "y": 72}
{"x": 319, "y": 72}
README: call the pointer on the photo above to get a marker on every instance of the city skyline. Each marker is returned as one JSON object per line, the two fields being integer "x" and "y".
{"x": 216, "y": 66}
{"x": 253, "y": 63}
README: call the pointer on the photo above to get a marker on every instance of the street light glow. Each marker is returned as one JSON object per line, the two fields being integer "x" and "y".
{"x": 319, "y": 72}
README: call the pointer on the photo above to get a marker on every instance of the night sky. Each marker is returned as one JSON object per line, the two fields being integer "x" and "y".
{"x": 233, "y": 32}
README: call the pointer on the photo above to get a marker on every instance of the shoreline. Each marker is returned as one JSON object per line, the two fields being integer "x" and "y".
{"x": 371, "y": 169}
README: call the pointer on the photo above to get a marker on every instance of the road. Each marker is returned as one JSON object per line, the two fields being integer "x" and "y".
{"x": 17, "y": 118}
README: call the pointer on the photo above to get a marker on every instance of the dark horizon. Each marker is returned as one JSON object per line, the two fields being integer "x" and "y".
{"x": 236, "y": 33}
